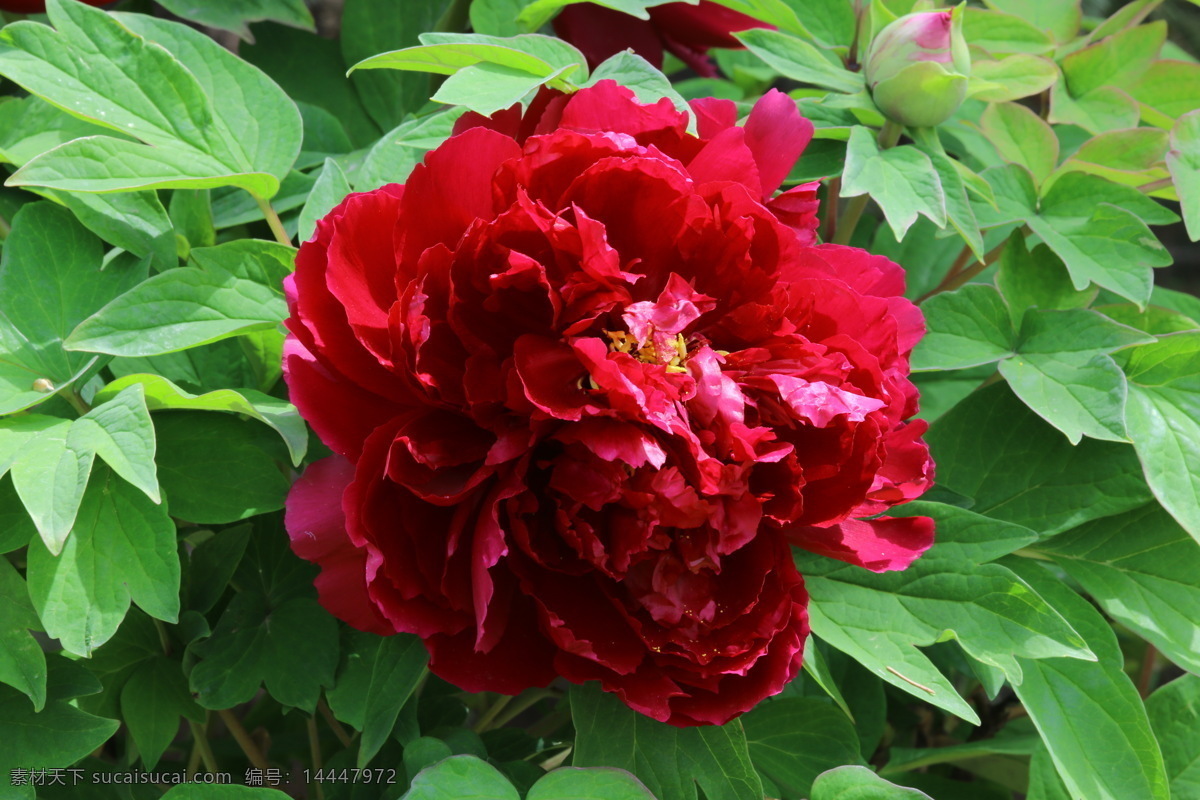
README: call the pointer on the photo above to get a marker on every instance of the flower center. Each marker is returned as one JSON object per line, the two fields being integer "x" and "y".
{"x": 671, "y": 353}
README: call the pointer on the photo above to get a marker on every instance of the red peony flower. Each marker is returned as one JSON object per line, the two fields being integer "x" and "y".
{"x": 586, "y": 378}
{"x": 682, "y": 29}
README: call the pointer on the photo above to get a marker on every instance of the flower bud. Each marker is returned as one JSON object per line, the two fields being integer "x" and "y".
{"x": 917, "y": 68}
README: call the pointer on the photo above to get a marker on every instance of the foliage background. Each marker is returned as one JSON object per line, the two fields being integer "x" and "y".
{"x": 155, "y": 620}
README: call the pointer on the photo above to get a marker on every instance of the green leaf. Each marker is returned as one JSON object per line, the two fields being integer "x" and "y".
{"x": 133, "y": 221}
{"x": 22, "y": 662}
{"x": 1044, "y": 783}
{"x": 670, "y": 761}
{"x": 119, "y": 430}
{"x": 329, "y": 190}
{"x": 236, "y": 18}
{"x": 649, "y": 84}
{"x": 399, "y": 664}
{"x": 878, "y": 618}
{"x": 39, "y": 307}
{"x": 487, "y": 88}
{"x": 1100, "y": 110}
{"x": 233, "y": 791}
{"x": 461, "y": 778}
{"x": 1167, "y": 90}
{"x": 50, "y": 473}
{"x": 162, "y": 89}
{"x": 212, "y": 565}
{"x": 16, "y": 528}
{"x": 1075, "y": 330}
{"x": 58, "y": 734}
{"x": 152, "y": 701}
{"x": 999, "y": 33}
{"x": 1132, "y": 157}
{"x": 1036, "y": 279}
{"x": 966, "y": 328}
{"x": 1081, "y": 394}
{"x": 394, "y": 156}
{"x": 1060, "y": 20}
{"x": 376, "y": 26}
{"x": 994, "y": 449}
{"x": 1098, "y": 228}
{"x": 311, "y": 70}
{"x": 792, "y": 740}
{"x": 593, "y": 783}
{"x": 1141, "y": 567}
{"x": 1022, "y": 137}
{"x": 860, "y": 783}
{"x": 191, "y": 214}
{"x": 1119, "y": 60}
{"x": 122, "y": 548}
{"x": 1183, "y": 162}
{"x": 497, "y": 17}
{"x": 225, "y": 294}
{"x": 951, "y": 175}
{"x": 162, "y": 395}
{"x": 1012, "y": 78}
{"x": 797, "y": 59}
{"x": 1174, "y": 712}
{"x": 902, "y": 180}
{"x": 256, "y": 643}
{"x": 1089, "y": 713}
{"x": 214, "y": 468}
{"x": 1164, "y": 422}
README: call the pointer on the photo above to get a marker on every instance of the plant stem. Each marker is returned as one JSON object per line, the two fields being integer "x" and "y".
{"x": 1146, "y": 675}
{"x": 274, "y": 221}
{"x": 953, "y": 280}
{"x": 523, "y": 703}
{"x": 253, "y": 754}
{"x": 832, "y": 198}
{"x": 76, "y": 400}
{"x": 490, "y": 715}
{"x": 333, "y": 724}
{"x": 163, "y": 638}
{"x": 1154, "y": 186}
{"x": 888, "y": 136}
{"x": 200, "y": 739}
{"x": 314, "y": 747}
{"x": 455, "y": 17}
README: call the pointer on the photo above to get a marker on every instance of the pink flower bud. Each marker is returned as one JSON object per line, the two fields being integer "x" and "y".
{"x": 917, "y": 68}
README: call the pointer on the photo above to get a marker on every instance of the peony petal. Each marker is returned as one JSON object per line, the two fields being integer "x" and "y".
{"x": 316, "y": 526}
{"x": 880, "y": 545}
{"x": 777, "y": 135}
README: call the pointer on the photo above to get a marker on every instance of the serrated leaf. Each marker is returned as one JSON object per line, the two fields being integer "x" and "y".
{"x": 966, "y": 328}
{"x": 1090, "y": 712}
{"x": 792, "y": 740}
{"x": 670, "y": 761}
{"x": 122, "y": 548}
{"x": 1174, "y": 712}
{"x": 878, "y": 618}
{"x": 901, "y": 180}
{"x": 797, "y": 59}
{"x": 152, "y": 701}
